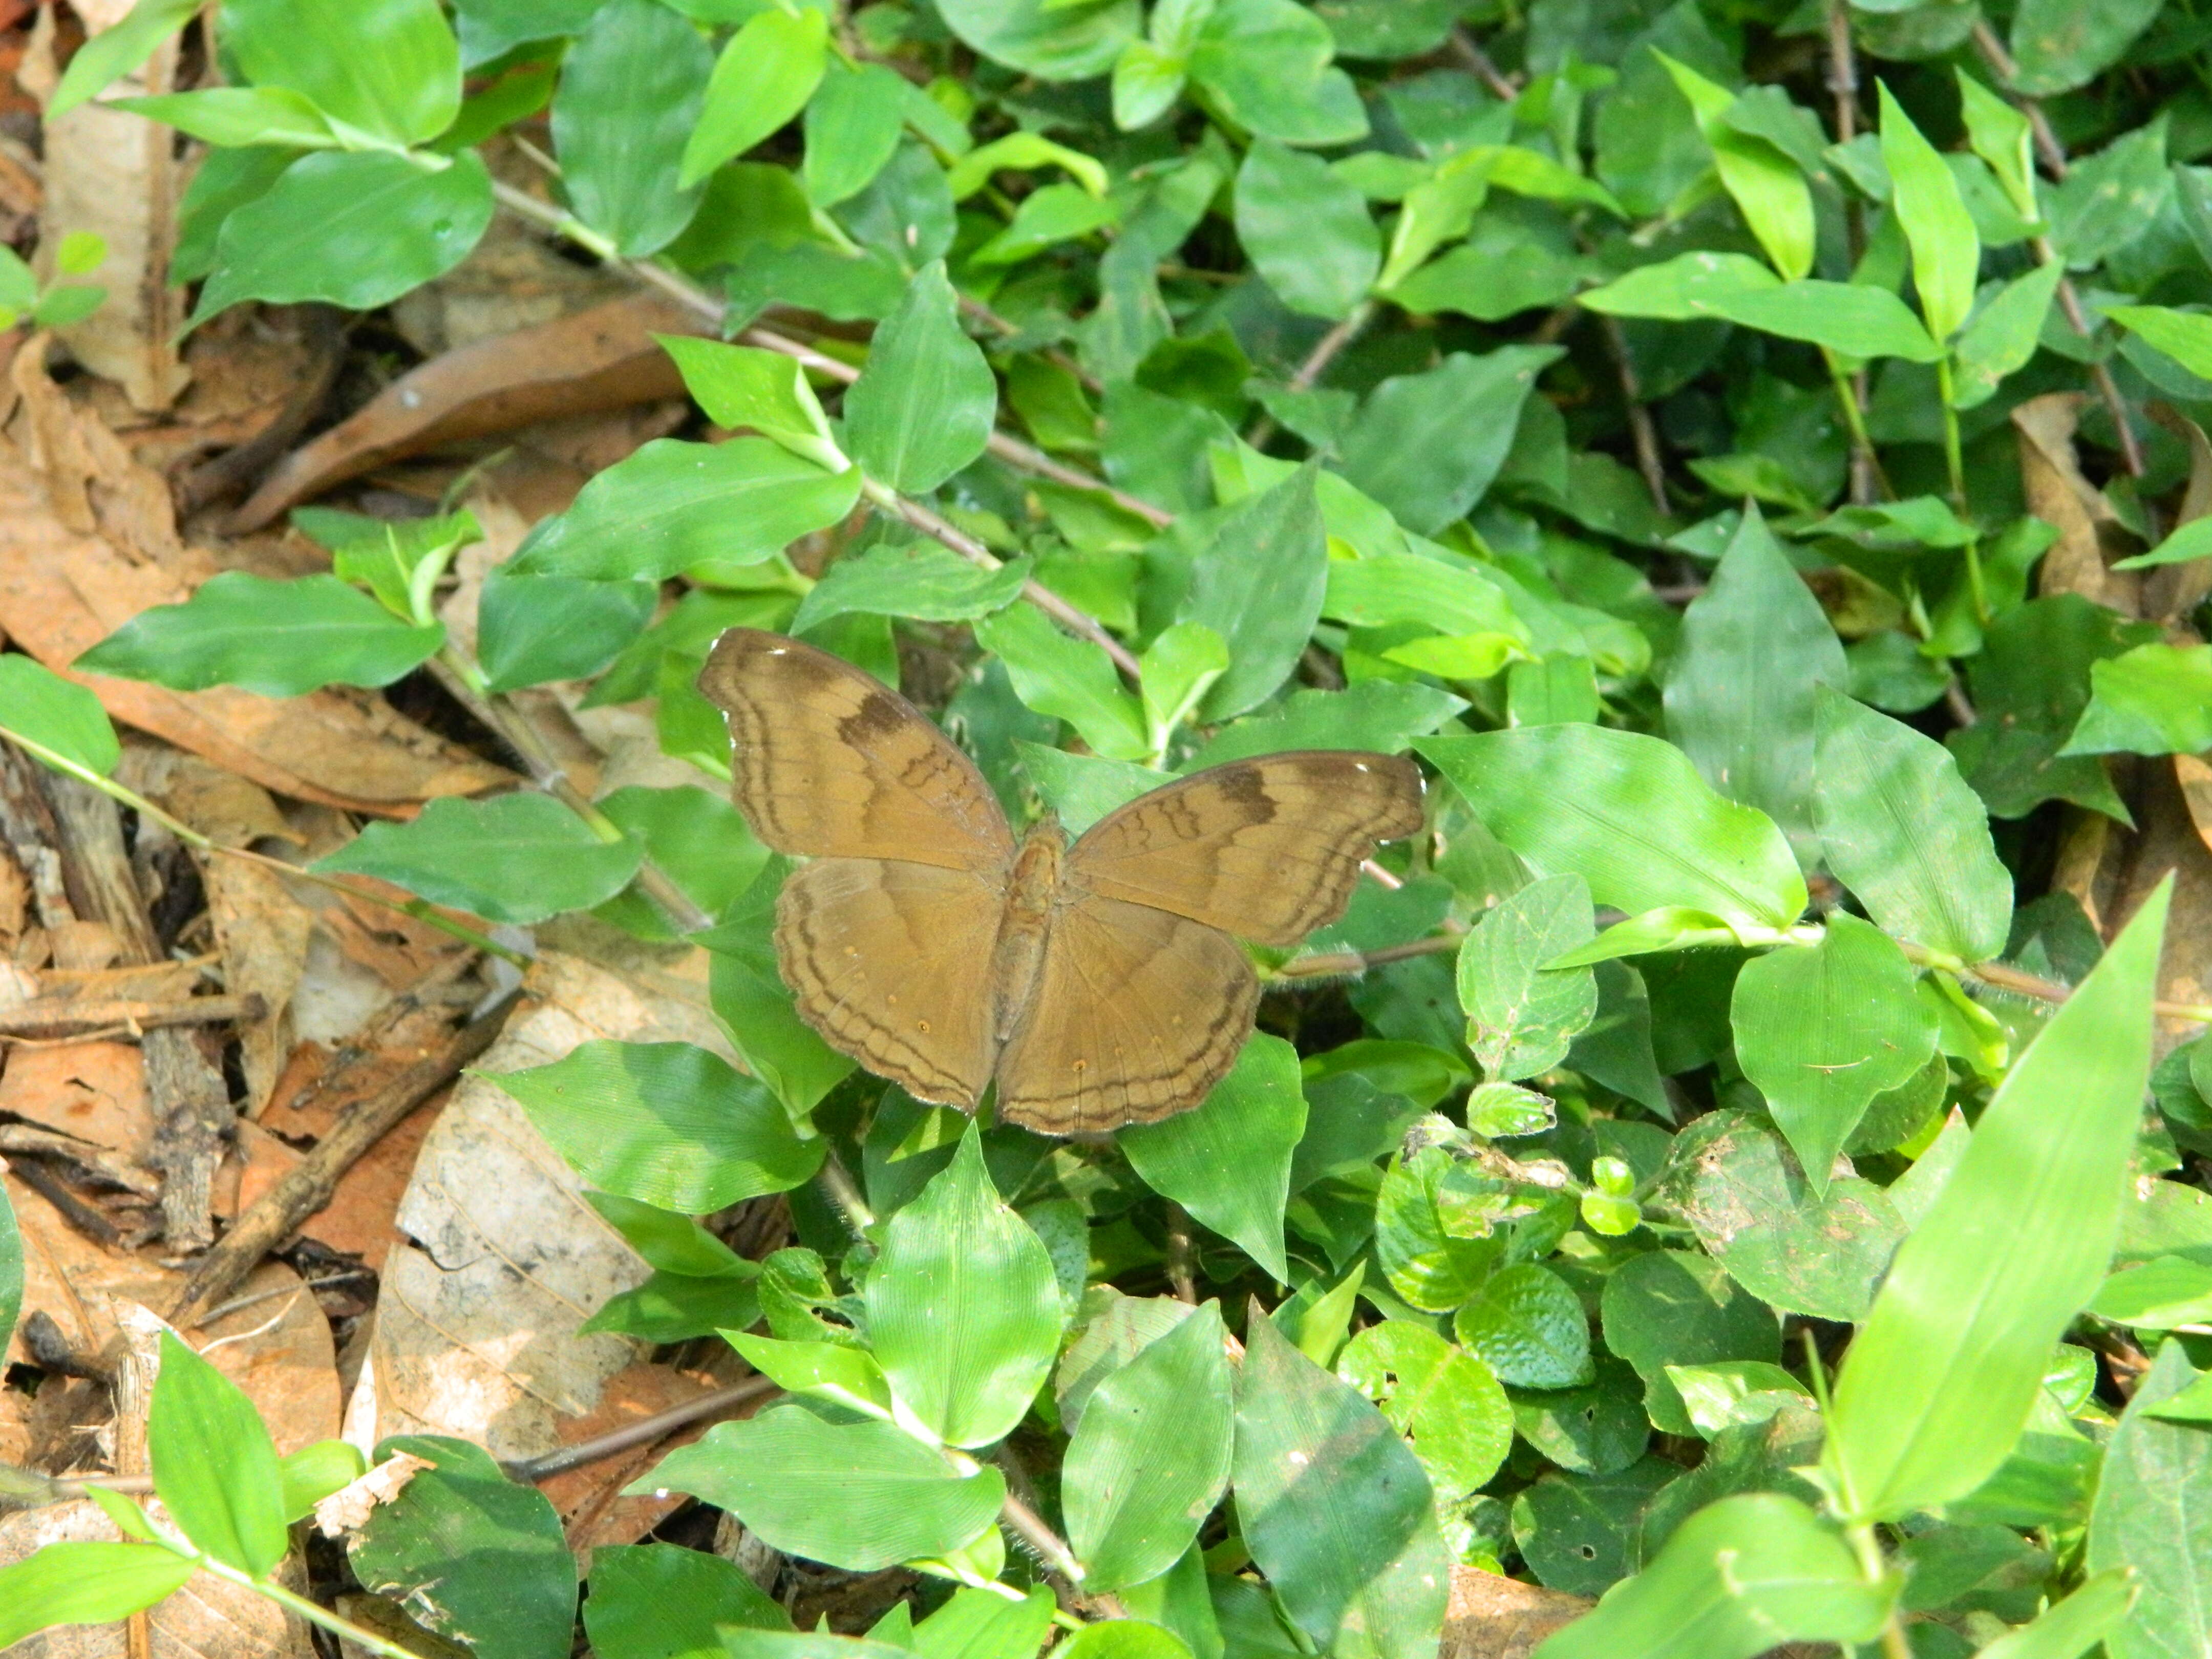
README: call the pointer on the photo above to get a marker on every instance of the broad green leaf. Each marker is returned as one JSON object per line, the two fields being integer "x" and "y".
{"x": 1385, "y": 590}
{"x": 1047, "y": 216}
{"x": 1305, "y": 230}
{"x": 1229, "y": 1162}
{"x": 1755, "y": 648}
{"x": 664, "y": 1123}
{"x": 477, "y": 1558}
{"x": 1056, "y": 43}
{"x": 1746, "y": 1574}
{"x": 1428, "y": 1259}
{"x": 1733, "y": 1392}
{"x": 1598, "y": 1430}
{"x": 896, "y": 1500}
{"x": 1150, "y": 1457}
{"x": 11, "y": 1270}
{"x": 1583, "y": 1536}
{"x": 1335, "y": 1508}
{"x": 1383, "y": 715}
{"x": 2073, "y": 1626}
{"x": 852, "y": 125}
{"x": 1176, "y": 670}
{"x": 630, "y": 95}
{"x": 1081, "y": 789}
{"x": 1259, "y": 584}
{"x": 846, "y": 1375}
{"x": 981, "y": 1623}
{"x": 767, "y": 391}
{"x": 58, "y": 717}
{"x": 2161, "y": 1293}
{"x": 755, "y": 1006}
{"x": 1768, "y": 189}
{"x": 2001, "y": 339}
{"x": 1427, "y": 445}
{"x": 517, "y": 858}
{"x": 674, "y": 505}
{"x": 1446, "y": 1401}
{"x": 1906, "y": 526}
{"x": 112, "y": 53}
{"x": 1125, "y": 1638}
{"x": 2056, "y": 46}
{"x": 1687, "y": 286}
{"x": 215, "y": 1467}
{"x": 2148, "y": 1516}
{"x": 661, "y": 1601}
{"x": 1742, "y": 1191}
{"x": 1070, "y": 679}
{"x": 1146, "y": 83}
{"x": 389, "y": 67}
{"x": 2184, "y": 335}
{"x": 85, "y": 1583}
{"x": 353, "y": 230}
{"x": 238, "y": 115}
{"x": 699, "y": 840}
{"x": 739, "y": 1642}
{"x": 1670, "y": 1309}
{"x": 2193, "y": 540}
{"x": 923, "y": 580}
{"x": 1526, "y": 1324}
{"x": 531, "y": 630}
{"x": 2153, "y": 700}
{"x": 1850, "y": 317}
{"x": 1947, "y": 252}
{"x": 923, "y": 406}
{"x": 964, "y": 1310}
{"x": 1905, "y": 833}
{"x": 1940, "y": 1379}
{"x": 1821, "y": 1029}
{"x": 280, "y": 639}
{"x": 1520, "y": 1017}
{"x": 765, "y": 75}
{"x": 315, "y": 1471}
{"x": 1114, "y": 1330}
{"x": 1629, "y": 815}
{"x": 1265, "y": 64}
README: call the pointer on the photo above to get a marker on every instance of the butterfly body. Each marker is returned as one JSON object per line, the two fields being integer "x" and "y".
{"x": 1097, "y": 984}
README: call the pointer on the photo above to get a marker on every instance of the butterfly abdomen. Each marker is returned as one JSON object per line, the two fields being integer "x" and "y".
{"x": 1017, "y": 955}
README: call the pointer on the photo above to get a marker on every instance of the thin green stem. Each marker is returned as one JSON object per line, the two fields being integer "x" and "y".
{"x": 1895, "y": 1644}
{"x": 1954, "y": 458}
{"x": 1855, "y": 421}
{"x": 313, "y": 1612}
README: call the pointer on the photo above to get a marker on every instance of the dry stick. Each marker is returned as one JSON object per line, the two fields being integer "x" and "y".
{"x": 1317, "y": 362}
{"x": 272, "y": 1218}
{"x": 2054, "y": 160}
{"x": 1180, "y": 1254}
{"x": 1645, "y": 435}
{"x": 643, "y": 1432}
{"x": 46, "y": 1018}
{"x": 1844, "y": 86}
{"x": 1477, "y": 60}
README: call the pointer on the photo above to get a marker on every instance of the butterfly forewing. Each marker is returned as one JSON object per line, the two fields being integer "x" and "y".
{"x": 890, "y": 962}
{"x": 1266, "y": 848}
{"x": 1137, "y": 1014}
{"x": 829, "y": 762}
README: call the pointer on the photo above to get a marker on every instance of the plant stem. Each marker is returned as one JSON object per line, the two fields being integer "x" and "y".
{"x": 1865, "y": 463}
{"x": 313, "y": 1612}
{"x": 1954, "y": 458}
{"x": 837, "y": 1185}
{"x": 1895, "y": 1644}
{"x": 1317, "y": 362}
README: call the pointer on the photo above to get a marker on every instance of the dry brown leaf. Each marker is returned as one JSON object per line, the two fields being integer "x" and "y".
{"x": 348, "y": 1509}
{"x": 262, "y": 931}
{"x": 600, "y": 359}
{"x": 95, "y": 485}
{"x": 1489, "y": 1617}
{"x": 2090, "y": 534}
{"x": 222, "y": 806}
{"x": 92, "y": 1091}
{"x": 2170, "y": 592}
{"x": 475, "y": 1332}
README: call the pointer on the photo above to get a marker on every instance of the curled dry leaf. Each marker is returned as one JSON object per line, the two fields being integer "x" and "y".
{"x": 1491, "y": 1617}
{"x": 2090, "y": 534}
{"x": 348, "y": 1509}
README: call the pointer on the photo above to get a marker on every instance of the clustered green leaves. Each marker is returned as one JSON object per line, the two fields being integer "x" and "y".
{"x": 1672, "y": 1206}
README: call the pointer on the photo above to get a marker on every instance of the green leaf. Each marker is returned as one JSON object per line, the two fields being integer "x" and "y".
{"x": 475, "y": 1557}
{"x": 115, "y": 52}
{"x": 853, "y": 124}
{"x": 764, "y": 76}
{"x": 661, "y": 1601}
{"x": 1070, "y": 679}
{"x": 2146, "y": 1516}
{"x": 399, "y": 562}
{"x": 1150, "y": 1458}
{"x": 1768, "y": 189}
{"x": 1940, "y": 1379}
{"x": 2056, "y": 47}
{"x": 1306, "y": 231}
{"x": 699, "y": 840}
{"x": 963, "y": 1308}
{"x": 1023, "y": 152}
{"x": 532, "y": 630}
{"x": 1687, "y": 286}
{"x": 1582, "y": 1536}
{"x": 739, "y": 1642}
{"x": 11, "y": 1270}
{"x": 314, "y": 1472}
{"x": 1851, "y": 317}
{"x": 2160, "y": 1294}
{"x": 62, "y": 722}
{"x": 238, "y": 115}
{"x": 897, "y": 1499}
{"x": 1746, "y": 1574}
{"x": 1629, "y": 815}
{"x": 1054, "y": 42}
{"x": 1265, "y": 64}
{"x": 215, "y": 1467}
{"x": 356, "y": 231}
{"x": 1446, "y": 1402}
{"x": 1427, "y": 445}
{"x": 747, "y": 386}
{"x": 1741, "y": 699}
{"x": 2150, "y": 700}
{"x": 389, "y": 67}
{"x": 2073, "y": 1626}
{"x": 281, "y": 639}
{"x": 665, "y": 1123}
{"x": 922, "y": 580}
{"x": 1528, "y": 1326}
{"x": 2184, "y": 335}
{"x": 85, "y": 1583}
{"x": 923, "y": 406}
{"x": 1382, "y": 715}
{"x": 1924, "y": 195}
{"x": 1259, "y": 584}
{"x": 518, "y": 857}
{"x": 1176, "y": 670}
{"x": 1670, "y": 1309}
{"x": 1419, "y": 1245}
{"x": 1821, "y": 1029}
{"x": 1047, "y": 216}
{"x": 1229, "y": 1162}
{"x": 674, "y": 505}
{"x": 1124, "y": 1638}
{"x": 845, "y": 1376}
{"x": 754, "y": 1005}
{"x": 981, "y": 1623}
{"x": 2003, "y": 336}
{"x": 1335, "y": 1508}
{"x": 631, "y": 91}
{"x": 2193, "y": 540}
{"x": 1521, "y": 1017}
{"x": 1905, "y": 832}
{"x": 1081, "y": 789}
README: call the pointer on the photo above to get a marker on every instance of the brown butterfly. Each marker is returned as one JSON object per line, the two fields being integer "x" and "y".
{"x": 1098, "y": 982}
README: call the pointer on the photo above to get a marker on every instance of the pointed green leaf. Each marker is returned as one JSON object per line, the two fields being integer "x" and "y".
{"x": 315, "y": 1471}
{"x": 2056, "y": 46}
{"x": 2153, "y": 699}
{"x": 1383, "y": 715}
{"x": 2150, "y": 1515}
{"x": 1260, "y": 584}
{"x": 2074, "y": 1626}
{"x": 1526, "y": 1324}
{"x": 765, "y": 75}
{"x": 85, "y": 1583}
{"x": 1070, "y": 679}
{"x": 2000, "y": 340}
{"x": 392, "y": 69}
{"x": 1428, "y": 446}
{"x": 630, "y": 93}
{"x": 1520, "y": 1013}
{"x": 1667, "y": 1309}
{"x": 1942, "y": 1377}
{"x": 747, "y": 386}
{"x": 923, "y": 580}
{"x": 1768, "y": 190}
{"x": 923, "y": 406}
{"x": 661, "y": 1601}
{"x": 112, "y": 53}
{"x": 1946, "y": 253}
{"x": 215, "y": 1467}
{"x": 58, "y": 717}
{"x": 1306, "y": 231}
{"x": 517, "y": 858}
{"x": 1851, "y": 317}
{"x": 2184, "y": 335}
